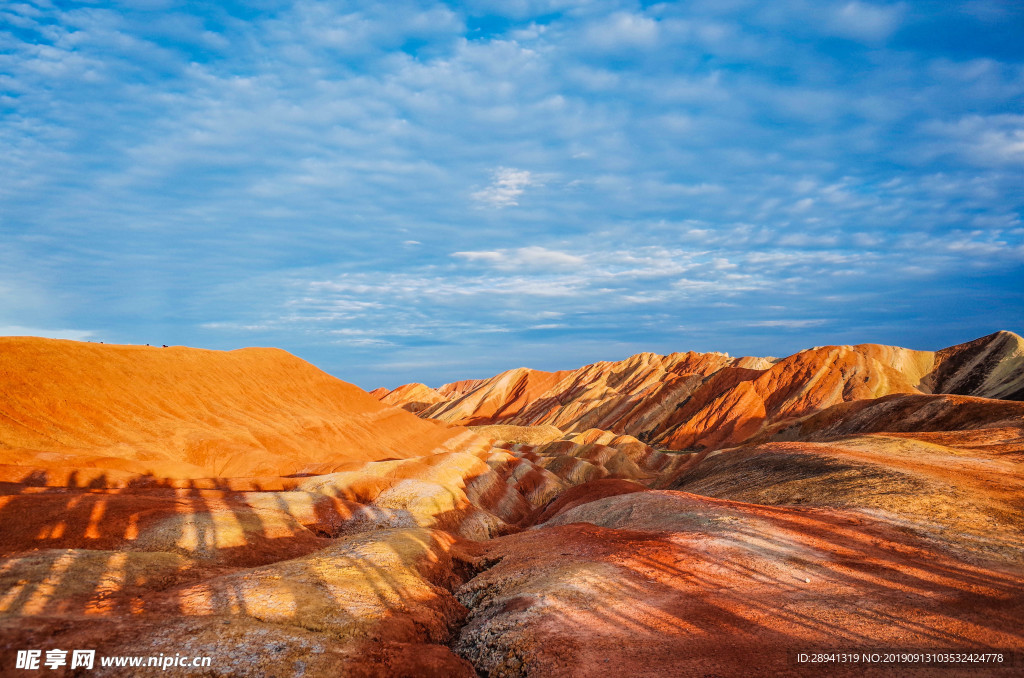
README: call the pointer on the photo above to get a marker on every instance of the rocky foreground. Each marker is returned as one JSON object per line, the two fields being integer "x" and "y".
{"x": 691, "y": 514}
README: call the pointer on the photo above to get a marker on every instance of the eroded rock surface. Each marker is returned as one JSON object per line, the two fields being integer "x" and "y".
{"x": 710, "y": 401}
{"x": 247, "y": 507}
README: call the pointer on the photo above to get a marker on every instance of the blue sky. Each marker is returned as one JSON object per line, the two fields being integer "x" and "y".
{"x": 426, "y": 191}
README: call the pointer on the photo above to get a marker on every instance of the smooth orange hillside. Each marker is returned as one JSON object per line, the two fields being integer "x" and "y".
{"x": 184, "y": 412}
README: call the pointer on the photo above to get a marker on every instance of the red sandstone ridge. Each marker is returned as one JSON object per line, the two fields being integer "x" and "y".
{"x": 501, "y": 398}
{"x": 709, "y": 400}
{"x": 411, "y": 397}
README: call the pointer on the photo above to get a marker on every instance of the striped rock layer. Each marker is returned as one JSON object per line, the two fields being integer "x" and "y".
{"x": 710, "y": 400}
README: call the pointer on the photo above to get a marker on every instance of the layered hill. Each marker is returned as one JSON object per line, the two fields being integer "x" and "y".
{"x": 182, "y": 412}
{"x": 709, "y": 400}
{"x": 411, "y": 397}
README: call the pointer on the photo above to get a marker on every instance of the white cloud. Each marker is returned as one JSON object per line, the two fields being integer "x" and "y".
{"x": 1001, "y": 145}
{"x": 546, "y": 288}
{"x": 507, "y": 185}
{"x": 623, "y": 29}
{"x": 991, "y": 140}
{"x": 523, "y": 257}
{"x": 803, "y": 205}
{"x": 866, "y": 21}
{"x": 788, "y": 324}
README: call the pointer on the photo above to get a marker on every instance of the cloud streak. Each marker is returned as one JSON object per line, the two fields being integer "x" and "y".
{"x": 524, "y": 257}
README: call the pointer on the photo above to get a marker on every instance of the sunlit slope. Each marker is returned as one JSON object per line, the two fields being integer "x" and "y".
{"x": 711, "y": 401}
{"x": 989, "y": 367}
{"x": 184, "y": 412}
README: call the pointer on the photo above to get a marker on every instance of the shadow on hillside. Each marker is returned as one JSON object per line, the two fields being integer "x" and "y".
{"x": 156, "y": 550}
{"x": 154, "y": 546}
{"x": 702, "y": 599}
